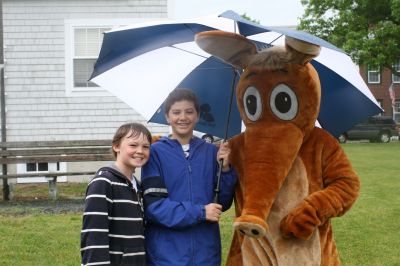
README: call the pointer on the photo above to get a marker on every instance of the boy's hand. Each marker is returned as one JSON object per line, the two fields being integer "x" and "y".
{"x": 213, "y": 212}
{"x": 223, "y": 153}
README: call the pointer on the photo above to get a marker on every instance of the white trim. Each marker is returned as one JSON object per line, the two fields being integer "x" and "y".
{"x": 397, "y": 70}
{"x": 125, "y": 201}
{"x": 94, "y": 230}
{"x": 373, "y": 71}
{"x": 97, "y": 263}
{"x": 126, "y": 236}
{"x": 124, "y": 219}
{"x": 69, "y": 25}
{"x": 116, "y": 252}
{"x": 52, "y": 167}
{"x": 110, "y": 200}
{"x": 396, "y": 111}
{"x": 126, "y": 254}
{"x": 101, "y": 178}
{"x": 92, "y": 247}
{"x": 95, "y": 213}
{"x": 134, "y": 254}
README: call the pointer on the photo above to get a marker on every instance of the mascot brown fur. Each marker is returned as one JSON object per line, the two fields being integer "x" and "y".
{"x": 293, "y": 176}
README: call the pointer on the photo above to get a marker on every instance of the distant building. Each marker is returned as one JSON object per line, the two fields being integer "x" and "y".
{"x": 379, "y": 82}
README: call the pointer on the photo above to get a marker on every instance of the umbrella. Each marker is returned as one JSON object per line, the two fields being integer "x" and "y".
{"x": 142, "y": 63}
{"x": 217, "y": 118}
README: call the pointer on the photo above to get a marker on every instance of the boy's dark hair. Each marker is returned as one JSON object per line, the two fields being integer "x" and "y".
{"x": 134, "y": 129}
{"x": 181, "y": 94}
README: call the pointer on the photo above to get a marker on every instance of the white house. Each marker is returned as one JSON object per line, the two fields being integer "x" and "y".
{"x": 49, "y": 48}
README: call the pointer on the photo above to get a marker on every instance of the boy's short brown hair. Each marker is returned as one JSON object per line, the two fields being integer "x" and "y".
{"x": 135, "y": 129}
{"x": 181, "y": 94}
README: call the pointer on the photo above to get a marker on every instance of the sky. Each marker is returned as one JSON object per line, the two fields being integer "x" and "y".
{"x": 268, "y": 12}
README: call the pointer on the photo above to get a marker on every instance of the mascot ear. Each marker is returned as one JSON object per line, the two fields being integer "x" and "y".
{"x": 229, "y": 47}
{"x": 301, "y": 52}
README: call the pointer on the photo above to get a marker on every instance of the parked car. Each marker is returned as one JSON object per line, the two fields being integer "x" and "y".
{"x": 207, "y": 137}
{"x": 375, "y": 129}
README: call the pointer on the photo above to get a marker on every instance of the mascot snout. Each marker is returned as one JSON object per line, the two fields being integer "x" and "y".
{"x": 269, "y": 169}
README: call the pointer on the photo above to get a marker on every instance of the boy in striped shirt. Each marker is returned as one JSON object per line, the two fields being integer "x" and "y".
{"x": 113, "y": 230}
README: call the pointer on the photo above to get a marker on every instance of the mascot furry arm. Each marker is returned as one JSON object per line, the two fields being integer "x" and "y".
{"x": 293, "y": 177}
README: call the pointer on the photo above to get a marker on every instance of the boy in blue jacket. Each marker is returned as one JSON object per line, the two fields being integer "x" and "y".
{"x": 178, "y": 184}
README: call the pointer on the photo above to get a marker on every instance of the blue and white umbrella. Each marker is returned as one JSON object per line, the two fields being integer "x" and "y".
{"x": 142, "y": 63}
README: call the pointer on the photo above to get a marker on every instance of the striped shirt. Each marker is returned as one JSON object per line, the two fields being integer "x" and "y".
{"x": 112, "y": 229}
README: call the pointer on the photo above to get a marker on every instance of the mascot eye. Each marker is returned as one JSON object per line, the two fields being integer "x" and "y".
{"x": 283, "y": 102}
{"x": 252, "y": 103}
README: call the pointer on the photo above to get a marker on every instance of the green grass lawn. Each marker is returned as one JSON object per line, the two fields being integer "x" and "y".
{"x": 367, "y": 235}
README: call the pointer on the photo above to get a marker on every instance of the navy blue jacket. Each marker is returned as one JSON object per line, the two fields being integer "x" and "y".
{"x": 175, "y": 190}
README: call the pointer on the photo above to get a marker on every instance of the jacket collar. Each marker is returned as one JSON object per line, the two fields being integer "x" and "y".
{"x": 194, "y": 142}
{"x": 117, "y": 173}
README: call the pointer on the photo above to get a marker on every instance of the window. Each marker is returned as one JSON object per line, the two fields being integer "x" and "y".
{"x": 37, "y": 167}
{"x": 83, "y": 39}
{"x": 396, "y": 67}
{"x": 374, "y": 75}
{"x": 396, "y": 111}
{"x": 87, "y": 44}
{"x": 41, "y": 168}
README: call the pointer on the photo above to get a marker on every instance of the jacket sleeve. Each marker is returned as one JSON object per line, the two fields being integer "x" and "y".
{"x": 159, "y": 208}
{"x": 95, "y": 226}
{"x": 227, "y": 188}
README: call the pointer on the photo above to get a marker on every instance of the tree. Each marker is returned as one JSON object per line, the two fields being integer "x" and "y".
{"x": 368, "y": 30}
{"x": 245, "y": 16}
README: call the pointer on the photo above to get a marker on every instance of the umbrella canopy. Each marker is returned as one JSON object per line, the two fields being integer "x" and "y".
{"x": 215, "y": 93}
{"x": 142, "y": 63}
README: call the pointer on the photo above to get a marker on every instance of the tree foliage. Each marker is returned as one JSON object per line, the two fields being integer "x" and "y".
{"x": 245, "y": 16}
{"x": 369, "y": 30}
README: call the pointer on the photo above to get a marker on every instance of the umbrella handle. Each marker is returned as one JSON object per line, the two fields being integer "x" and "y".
{"x": 216, "y": 189}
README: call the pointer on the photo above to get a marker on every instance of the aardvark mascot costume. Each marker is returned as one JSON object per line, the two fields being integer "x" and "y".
{"x": 293, "y": 176}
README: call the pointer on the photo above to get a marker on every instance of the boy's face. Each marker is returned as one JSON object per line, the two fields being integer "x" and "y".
{"x": 133, "y": 151}
{"x": 182, "y": 117}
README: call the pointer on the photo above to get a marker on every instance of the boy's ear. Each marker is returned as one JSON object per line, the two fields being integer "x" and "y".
{"x": 115, "y": 148}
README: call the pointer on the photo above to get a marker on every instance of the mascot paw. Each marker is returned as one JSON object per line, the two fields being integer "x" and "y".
{"x": 301, "y": 222}
{"x": 251, "y": 226}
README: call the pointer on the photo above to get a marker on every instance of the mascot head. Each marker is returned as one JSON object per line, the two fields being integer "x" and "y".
{"x": 278, "y": 97}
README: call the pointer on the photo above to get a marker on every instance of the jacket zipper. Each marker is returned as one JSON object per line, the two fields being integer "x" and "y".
{"x": 190, "y": 198}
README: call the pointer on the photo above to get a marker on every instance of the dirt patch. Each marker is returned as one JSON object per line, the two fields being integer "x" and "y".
{"x": 41, "y": 207}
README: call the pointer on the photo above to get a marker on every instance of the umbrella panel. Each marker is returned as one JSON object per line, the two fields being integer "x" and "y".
{"x": 142, "y": 77}
{"x": 118, "y": 46}
{"x": 213, "y": 82}
{"x": 339, "y": 99}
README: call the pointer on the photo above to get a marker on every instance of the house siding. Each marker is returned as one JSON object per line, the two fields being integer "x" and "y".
{"x": 37, "y": 105}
